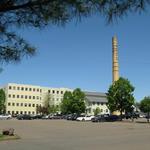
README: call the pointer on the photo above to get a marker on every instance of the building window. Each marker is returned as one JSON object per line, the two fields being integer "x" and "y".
{"x": 9, "y": 95}
{"x": 9, "y": 87}
{"x": 21, "y": 112}
{"x": 61, "y": 92}
{"x": 26, "y": 89}
{"x": 97, "y": 103}
{"x": 57, "y": 92}
{"x": 33, "y": 89}
{"x": 33, "y": 97}
{"x": 8, "y": 112}
{"x": 13, "y": 96}
{"x": 49, "y": 91}
{"x": 57, "y": 99}
{"x": 33, "y": 105}
{"x": 18, "y": 88}
{"x": 53, "y": 91}
{"x": 17, "y": 112}
{"x": 22, "y": 88}
{"x": 102, "y": 103}
{"x": 9, "y": 104}
{"x": 29, "y": 112}
{"x": 21, "y": 104}
{"x": 37, "y": 90}
{"x": 33, "y": 112}
{"x": 25, "y": 105}
{"x": 13, "y": 104}
{"x": 29, "y": 105}
{"x": 93, "y": 103}
{"x": 41, "y": 90}
{"x": 101, "y": 110}
{"x": 14, "y": 87}
{"x": 37, "y": 97}
{"x": 26, "y": 97}
{"x": 30, "y": 89}
{"x": 17, "y": 96}
{"x": 17, "y": 104}
{"x": 25, "y": 112}
{"x": 21, "y": 96}
{"x": 29, "y": 97}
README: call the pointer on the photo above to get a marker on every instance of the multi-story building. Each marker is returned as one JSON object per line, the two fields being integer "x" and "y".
{"x": 24, "y": 99}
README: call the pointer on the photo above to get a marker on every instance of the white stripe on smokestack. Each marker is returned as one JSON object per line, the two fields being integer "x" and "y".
{"x": 115, "y": 65}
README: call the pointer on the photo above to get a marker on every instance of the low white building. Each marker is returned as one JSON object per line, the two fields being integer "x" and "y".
{"x": 96, "y": 100}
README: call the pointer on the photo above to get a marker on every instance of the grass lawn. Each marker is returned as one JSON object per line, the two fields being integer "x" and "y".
{"x": 7, "y": 137}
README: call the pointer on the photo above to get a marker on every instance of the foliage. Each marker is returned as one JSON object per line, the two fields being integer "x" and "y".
{"x": 2, "y": 101}
{"x": 48, "y": 106}
{"x": 39, "y": 13}
{"x": 145, "y": 106}
{"x": 73, "y": 102}
{"x": 97, "y": 111}
{"x": 120, "y": 96}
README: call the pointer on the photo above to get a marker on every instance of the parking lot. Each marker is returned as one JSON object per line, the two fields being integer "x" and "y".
{"x": 72, "y": 135}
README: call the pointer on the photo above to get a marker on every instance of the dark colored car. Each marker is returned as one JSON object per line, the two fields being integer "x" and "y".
{"x": 24, "y": 117}
{"x": 36, "y": 117}
{"x": 99, "y": 118}
{"x": 72, "y": 117}
{"x": 106, "y": 118}
{"x": 58, "y": 116}
{"x": 112, "y": 118}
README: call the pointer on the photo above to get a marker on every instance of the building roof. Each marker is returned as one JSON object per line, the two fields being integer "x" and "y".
{"x": 96, "y": 97}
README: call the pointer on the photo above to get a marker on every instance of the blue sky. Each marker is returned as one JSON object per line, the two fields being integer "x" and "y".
{"x": 80, "y": 55}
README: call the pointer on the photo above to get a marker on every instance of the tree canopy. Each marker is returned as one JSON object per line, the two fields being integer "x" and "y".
{"x": 39, "y": 13}
{"x": 120, "y": 96}
{"x": 2, "y": 101}
{"x": 145, "y": 106}
{"x": 73, "y": 102}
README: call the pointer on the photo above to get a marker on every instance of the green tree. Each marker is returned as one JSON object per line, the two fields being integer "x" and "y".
{"x": 120, "y": 96}
{"x": 39, "y": 13}
{"x": 97, "y": 111}
{"x": 145, "y": 106}
{"x": 2, "y": 101}
{"x": 66, "y": 103}
{"x": 73, "y": 102}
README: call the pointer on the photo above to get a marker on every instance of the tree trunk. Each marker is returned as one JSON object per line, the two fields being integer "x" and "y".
{"x": 148, "y": 117}
{"x": 121, "y": 115}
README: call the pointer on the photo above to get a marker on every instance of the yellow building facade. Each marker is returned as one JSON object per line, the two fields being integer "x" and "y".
{"x": 24, "y": 99}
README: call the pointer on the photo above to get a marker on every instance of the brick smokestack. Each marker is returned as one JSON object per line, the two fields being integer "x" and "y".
{"x": 115, "y": 65}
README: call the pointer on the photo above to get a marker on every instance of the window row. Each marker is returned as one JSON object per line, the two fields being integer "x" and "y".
{"x": 25, "y": 89}
{"x": 24, "y": 96}
{"x": 21, "y": 112}
{"x": 55, "y": 92}
{"x": 23, "y": 104}
{"x": 97, "y": 103}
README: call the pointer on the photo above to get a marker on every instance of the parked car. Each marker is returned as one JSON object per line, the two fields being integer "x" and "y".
{"x": 36, "y": 116}
{"x": 24, "y": 117}
{"x": 84, "y": 118}
{"x": 105, "y": 118}
{"x": 46, "y": 117}
{"x": 99, "y": 118}
{"x": 5, "y": 116}
{"x": 112, "y": 118}
{"x": 72, "y": 117}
